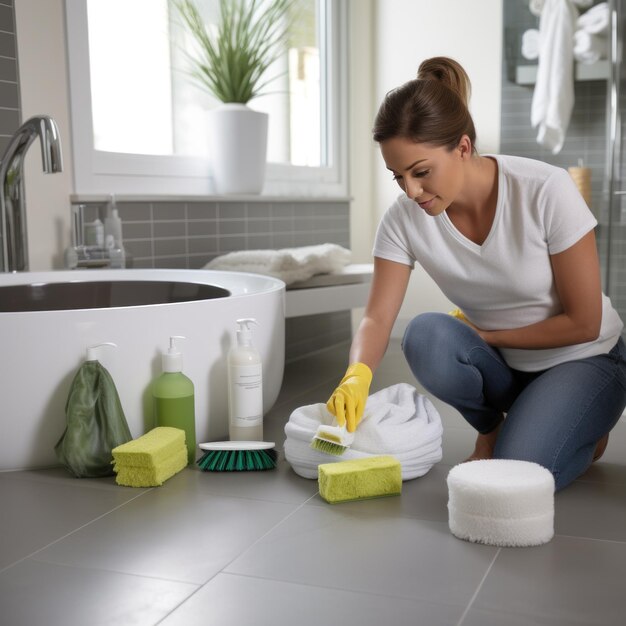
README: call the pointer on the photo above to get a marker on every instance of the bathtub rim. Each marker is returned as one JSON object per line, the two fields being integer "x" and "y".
{"x": 237, "y": 283}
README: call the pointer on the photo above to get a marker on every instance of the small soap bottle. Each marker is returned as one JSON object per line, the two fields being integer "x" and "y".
{"x": 113, "y": 235}
{"x": 245, "y": 387}
{"x": 173, "y": 395}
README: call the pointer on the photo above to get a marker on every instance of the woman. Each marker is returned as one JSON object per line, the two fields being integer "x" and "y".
{"x": 535, "y": 363}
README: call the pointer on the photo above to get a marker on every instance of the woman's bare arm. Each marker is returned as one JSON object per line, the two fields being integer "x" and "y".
{"x": 577, "y": 278}
{"x": 385, "y": 298}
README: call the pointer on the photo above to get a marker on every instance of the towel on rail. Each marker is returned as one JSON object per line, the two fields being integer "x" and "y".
{"x": 289, "y": 264}
{"x": 553, "y": 99}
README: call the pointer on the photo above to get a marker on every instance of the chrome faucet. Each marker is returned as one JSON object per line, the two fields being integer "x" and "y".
{"x": 12, "y": 202}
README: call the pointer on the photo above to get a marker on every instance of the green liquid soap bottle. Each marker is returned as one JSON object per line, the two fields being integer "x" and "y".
{"x": 174, "y": 398}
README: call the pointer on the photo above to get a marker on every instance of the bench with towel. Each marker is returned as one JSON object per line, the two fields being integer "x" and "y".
{"x": 319, "y": 278}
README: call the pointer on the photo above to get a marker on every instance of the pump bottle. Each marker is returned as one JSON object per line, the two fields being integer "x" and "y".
{"x": 245, "y": 387}
{"x": 173, "y": 395}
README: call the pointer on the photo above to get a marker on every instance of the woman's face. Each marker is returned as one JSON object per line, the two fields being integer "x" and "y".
{"x": 430, "y": 175}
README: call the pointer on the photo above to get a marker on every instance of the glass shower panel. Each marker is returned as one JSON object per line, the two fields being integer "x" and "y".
{"x": 613, "y": 245}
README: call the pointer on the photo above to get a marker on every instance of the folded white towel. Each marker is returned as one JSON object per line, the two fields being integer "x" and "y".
{"x": 553, "y": 99}
{"x": 289, "y": 264}
{"x": 596, "y": 20}
{"x": 589, "y": 48}
{"x": 583, "y": 4}
{"x": 397, "y": 420}
{"x": 530, "y": 44}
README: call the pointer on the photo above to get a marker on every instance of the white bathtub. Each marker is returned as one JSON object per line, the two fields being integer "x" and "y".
{"x": 42, "y": 349}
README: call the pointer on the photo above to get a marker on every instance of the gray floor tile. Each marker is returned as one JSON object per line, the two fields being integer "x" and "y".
{"x": 60, "y": 476}
{"x": 567, "y": 581}
{"x": 270, "y": 602}
{"x": 594, "y": 510}
{"x": 342, "y": 548}
{"x": 277, "y": 485}
{"x": 42, "y": 593}
{"x": 477, "y": 617}
{"x": 181, "y": 532}
{"x": 37, "y": 512}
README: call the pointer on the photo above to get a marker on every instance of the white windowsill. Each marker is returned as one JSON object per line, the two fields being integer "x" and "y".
{"x": 78, "y": 198}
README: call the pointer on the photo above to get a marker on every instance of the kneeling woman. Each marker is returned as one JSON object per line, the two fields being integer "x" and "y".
{"x": 536, "y": 363}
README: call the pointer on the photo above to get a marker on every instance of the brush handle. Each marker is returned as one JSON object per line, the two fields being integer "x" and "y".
{"x": 237, "y": 445}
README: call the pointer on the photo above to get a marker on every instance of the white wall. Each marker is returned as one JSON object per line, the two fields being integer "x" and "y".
{"x": 388, "y": 39}
{"x": 40, "y": 30}
{"x": 406, "y": 33}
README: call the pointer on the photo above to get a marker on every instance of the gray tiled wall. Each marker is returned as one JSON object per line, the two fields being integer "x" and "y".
{"x": 9, "y": 89}
{"x": 189, "y": 234}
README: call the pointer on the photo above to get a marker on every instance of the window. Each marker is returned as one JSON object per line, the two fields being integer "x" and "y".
{"x": 138, "y": 120}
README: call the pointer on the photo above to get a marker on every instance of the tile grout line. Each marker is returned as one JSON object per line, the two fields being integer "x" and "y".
{"x": 221, "y": 571}
{"x": 473, "y": 598}
{"x": 95, "y": 519}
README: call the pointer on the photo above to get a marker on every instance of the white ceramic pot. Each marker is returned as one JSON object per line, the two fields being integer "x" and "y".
{"x": 238, "y": 148}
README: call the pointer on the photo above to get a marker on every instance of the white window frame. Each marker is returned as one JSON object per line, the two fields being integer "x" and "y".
{"x": 99, "y": 172}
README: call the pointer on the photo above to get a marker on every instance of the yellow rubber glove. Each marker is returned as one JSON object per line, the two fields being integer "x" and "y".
{"x": 458, "y": 314}
{"x": 348, "y": 401}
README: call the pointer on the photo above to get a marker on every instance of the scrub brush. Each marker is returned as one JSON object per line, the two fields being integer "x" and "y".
{"x": 237, "y": 456}
{"x": 333, "y": 439}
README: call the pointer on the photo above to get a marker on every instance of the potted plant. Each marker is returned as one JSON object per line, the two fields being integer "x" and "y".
{"x": 231, "y": 63}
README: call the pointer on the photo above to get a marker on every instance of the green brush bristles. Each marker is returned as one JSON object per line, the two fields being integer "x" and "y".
{"x": 328, "y": 447}
{"x": 237, "y": 460}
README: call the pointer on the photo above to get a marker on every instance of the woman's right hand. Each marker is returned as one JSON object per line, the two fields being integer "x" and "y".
{"x": 347, "y": 402}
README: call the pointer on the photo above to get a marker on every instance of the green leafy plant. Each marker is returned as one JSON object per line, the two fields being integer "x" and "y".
{"x": 233, "y": 58}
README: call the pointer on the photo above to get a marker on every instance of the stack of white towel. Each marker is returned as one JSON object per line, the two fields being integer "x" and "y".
{"x": 397, "y": 420}
{"x": 590, "y": 39}
{"x": 590, "y": 43}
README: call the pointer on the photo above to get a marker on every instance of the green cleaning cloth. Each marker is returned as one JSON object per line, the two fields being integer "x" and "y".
{"x": 151, "y": 449}
{"x": 95, "y": 423}
{"x": 155, "y": 476}
{"x": 359, "y": 479}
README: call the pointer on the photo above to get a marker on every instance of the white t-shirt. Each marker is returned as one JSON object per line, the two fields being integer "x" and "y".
{"x": 506, "y": 282}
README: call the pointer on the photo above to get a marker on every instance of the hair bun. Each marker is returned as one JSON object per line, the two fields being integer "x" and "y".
{"x": 448, "y": 72}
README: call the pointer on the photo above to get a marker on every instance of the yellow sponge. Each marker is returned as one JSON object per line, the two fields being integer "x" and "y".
{"x": 150, "y": 449}
{"x": 132, "y": 476}
{"x": 359, "y": 479}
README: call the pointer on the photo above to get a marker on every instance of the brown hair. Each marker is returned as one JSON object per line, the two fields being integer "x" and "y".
{"x": 433, "y": 108}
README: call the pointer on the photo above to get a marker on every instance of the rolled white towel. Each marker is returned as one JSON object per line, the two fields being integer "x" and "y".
{"x": 583, "y": 4}
{"x": 596, "y": 20}
{"x": 289, "y": 264}
{"x": 536, "y": 6}
{"x": 589, "y": 48}
{"x": 530, "y": 44}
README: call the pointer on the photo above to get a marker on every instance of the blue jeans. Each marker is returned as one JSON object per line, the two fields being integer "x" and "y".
{"x": 554, "y": 417}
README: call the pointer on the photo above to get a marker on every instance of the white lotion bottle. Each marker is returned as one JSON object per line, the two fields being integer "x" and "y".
{"x": 245, "y": 387}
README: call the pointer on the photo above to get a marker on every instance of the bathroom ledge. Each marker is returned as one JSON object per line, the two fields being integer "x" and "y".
{"x": 600, "y": 70}
{"x": 86, "y": 198}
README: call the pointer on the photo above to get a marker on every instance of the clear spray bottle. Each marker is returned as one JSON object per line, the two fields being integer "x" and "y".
{"x": 245, "y": 387}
